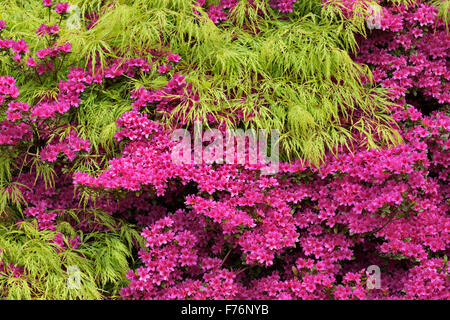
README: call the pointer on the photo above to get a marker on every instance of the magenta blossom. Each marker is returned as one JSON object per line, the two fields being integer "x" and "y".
{"x": 65, "y": 47}
{"x": 173, "y": 57}
{"x": 20, "y": 46}
{"x": 62, "y": 7}
{"x": 163, "y": 69}
{"x": 44, "y": 29}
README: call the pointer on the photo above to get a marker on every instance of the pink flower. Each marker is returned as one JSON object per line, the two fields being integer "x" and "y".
{"x": 417, "y": 32}
{"x": 173, "y": 57}
{"x": 373, "y": 21}
{"x": 164, "y": 68}
{"x": 42, "y": 30}
{"x": 31, "y": 62}
{"x": 53, "y": 29}
{"x": 62, "y": 7}
{"x": 47, "y": 3}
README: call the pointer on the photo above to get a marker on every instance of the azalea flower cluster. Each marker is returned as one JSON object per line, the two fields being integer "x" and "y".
{"x": 226, "y": 231}
{"x": 222, "y": 9}
{"x": 26, "y": 124}
{"x": 10, "y": 270}
{"x": 370, "y": 200}
{"x": 409, "y": 53}
{"x": 360, "y": 203}
{"x": 350, "y": 7}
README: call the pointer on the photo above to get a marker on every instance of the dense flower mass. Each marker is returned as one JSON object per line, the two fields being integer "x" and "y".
{"x": 226, "y": 230}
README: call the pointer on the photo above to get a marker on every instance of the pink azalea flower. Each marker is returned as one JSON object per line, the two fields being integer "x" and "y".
{"x": 173, "y": 57}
